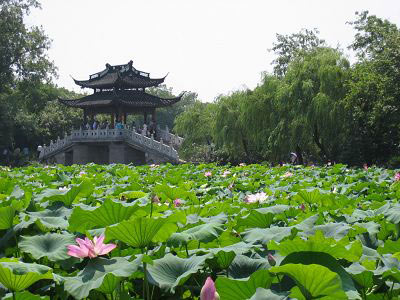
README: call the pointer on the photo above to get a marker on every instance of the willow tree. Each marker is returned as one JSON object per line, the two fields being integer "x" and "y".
{"x": 196, "y": 124}
{"x": 231, "y": 132}
{"x": 310, "y": 103}
{"x": 259, "y": 117}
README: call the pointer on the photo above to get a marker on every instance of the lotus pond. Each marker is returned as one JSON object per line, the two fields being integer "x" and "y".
{"x": 258, "y": 232}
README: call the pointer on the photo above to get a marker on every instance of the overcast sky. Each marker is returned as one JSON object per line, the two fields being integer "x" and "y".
{"x": 210, "y": 47}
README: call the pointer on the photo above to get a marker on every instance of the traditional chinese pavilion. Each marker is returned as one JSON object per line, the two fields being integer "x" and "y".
{"x": 117, "y": 91}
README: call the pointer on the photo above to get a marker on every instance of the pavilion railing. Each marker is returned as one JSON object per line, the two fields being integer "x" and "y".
{"x": 164, "y": 146}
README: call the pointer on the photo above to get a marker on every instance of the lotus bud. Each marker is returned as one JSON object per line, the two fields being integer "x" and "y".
{"x": 155, "y": 199}
{"x": 271, "y": 259}
{"x": 365, "y": 166}
{"x": 302, "y": 207}
{"x": 397, "y": 176}
{"x": 177, "y": 202}
{"x": 208, "y": 291}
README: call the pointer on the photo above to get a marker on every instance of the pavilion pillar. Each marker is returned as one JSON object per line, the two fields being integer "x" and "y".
{"x": 84, "y": 116}
{"x": 112, "y": 119}
{"x": 124, "y": 118}
{"x": 153, "y": 116}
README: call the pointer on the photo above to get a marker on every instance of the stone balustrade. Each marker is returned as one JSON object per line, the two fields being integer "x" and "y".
{"x": 162, "y": 147}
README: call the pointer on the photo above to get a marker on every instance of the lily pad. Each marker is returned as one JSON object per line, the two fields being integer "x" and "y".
{"x": 92, "y": 276}
{"x": 170, "y": 271}
{"x": 17, "y": 276}
{"x": 51, "y": 245}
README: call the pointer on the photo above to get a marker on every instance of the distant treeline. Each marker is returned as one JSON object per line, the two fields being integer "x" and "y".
{"x": 315, "y": 104}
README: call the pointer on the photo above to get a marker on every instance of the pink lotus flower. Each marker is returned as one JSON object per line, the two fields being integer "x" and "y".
{"x": 397, "y": 176}
{"x": 242, "y": 164}
{"x": 208, "y": 291}
{"x": 302, "y": 207}
{"x": 258, "y": 197}
{"x": 177, "y": 202}
{"x": 208, "y": 174}
{"x": 365, "y": 166}
{"x": 82, "y": 173}
{"x": 88, "y": 248}
{"x": 287, "y": 174}
{"x": 226, "y": 173}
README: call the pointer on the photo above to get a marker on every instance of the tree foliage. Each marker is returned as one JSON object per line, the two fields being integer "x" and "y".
{"x": 315, "y": 103}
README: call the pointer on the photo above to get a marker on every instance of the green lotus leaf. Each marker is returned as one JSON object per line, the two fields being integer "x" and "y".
{"x": 141, "y": 232}
{"x": 310, "y": 197}
{"x": 243, "y": 266}
{"x": 231, "y": 289}
{"x": 110, "y": 212}
{"x": 6, "y": 217}
{"x": 93, "y": 275}
{"x": 389, "y": 247}
{"x": 222, "y": 259}
{"x": 51, "y": 245}
{"x": 326, "y": 260}
{"x": 133, "y": 194}
{"x": 53, "y": 217}
{"x": 318, "y": 243}
{"x": 335, "y": 230}
{"x": 263, "y": 236}
{"x": 204, "y": 233}
{"x": 17, "y": 276}
{"x": 25, "y": 295}
{"x": 361, "y": 275}
{"x": 109, "y": 284}
{"x": 256, "y": 219}
{"x": 263, "y": 294}
{"x": 84, "y": 189}
{"x": 314, "y": 281}
{"x": 171, "y": 271}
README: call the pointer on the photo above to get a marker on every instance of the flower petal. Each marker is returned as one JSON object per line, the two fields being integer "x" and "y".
{"x": 106, "y": 248}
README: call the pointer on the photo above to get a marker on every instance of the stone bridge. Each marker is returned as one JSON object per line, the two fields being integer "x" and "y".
{"x": 104, "y": 146}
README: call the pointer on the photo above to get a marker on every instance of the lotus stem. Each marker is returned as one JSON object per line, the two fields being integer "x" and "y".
{"x": 187, "y": 252}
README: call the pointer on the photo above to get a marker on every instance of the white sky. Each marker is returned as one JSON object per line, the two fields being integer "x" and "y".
{"x": 210, "y": 47}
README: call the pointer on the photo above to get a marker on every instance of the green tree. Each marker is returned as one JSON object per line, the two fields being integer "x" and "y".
{"x": 288, "y": 47}
{"x": 196, "y": 124}
{"x": 23, "y": 49}
{"x": 373, "y": 99}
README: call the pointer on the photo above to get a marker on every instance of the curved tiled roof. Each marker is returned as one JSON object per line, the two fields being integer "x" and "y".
{"x": 119, "y": 76}
{"x": 128, "y": 98}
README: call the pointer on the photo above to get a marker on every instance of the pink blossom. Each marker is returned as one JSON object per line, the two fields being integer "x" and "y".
{"x": 208, "y": 291}
{"x": 302, "y": 207}
{"x": 82, "y": 173}
{"x": 258, "y": 197}
{"x": 242, "y": 164}
{"x": 365, "y": 166}
{"x": 88, "y": 248}
{"x": 397, "y": 176}
{"x": 177, "y": 202}
{"x": 271, "y": 259}
{"x": 287, "y": 174}
{"x": 208, "y": 174}
{"x": 226, "y": 173}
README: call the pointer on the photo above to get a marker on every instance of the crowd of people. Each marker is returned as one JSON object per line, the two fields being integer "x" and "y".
{"x": 145, "y": 129}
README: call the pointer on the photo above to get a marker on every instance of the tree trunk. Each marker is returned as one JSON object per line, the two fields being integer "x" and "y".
{"x": 300, "y": 159}
{"x": 318, "y": 143}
